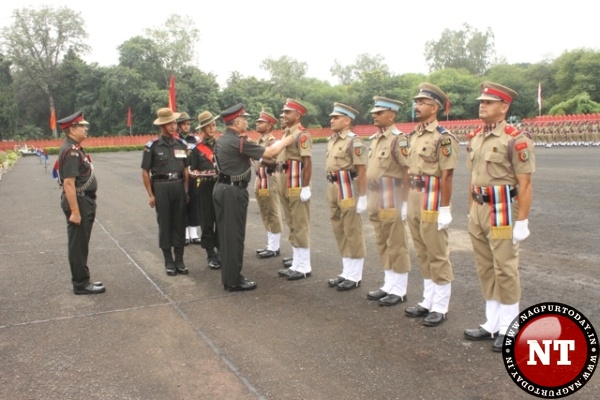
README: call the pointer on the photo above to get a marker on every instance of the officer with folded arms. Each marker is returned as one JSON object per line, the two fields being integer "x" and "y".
{"x": 165, "y": 175}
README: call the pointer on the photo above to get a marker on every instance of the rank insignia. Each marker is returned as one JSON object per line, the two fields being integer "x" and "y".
{"x": 446, "y": 142}
{"x": 524, "y": 155}
{"x": 521, "y": 146}
{"x": 303, "y": 142}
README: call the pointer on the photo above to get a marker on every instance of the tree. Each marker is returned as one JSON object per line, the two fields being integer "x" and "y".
{"x": 38, "y": 39}
{"x": 287, "y": 75}
{"x": 175, "y": 42}
{"x": 467, "y": 48}
{"x": 8, "y": 104}
{"x": 577, "y": 72}
{"x": 579, "y": 104}
{"x": 364, "y": 63}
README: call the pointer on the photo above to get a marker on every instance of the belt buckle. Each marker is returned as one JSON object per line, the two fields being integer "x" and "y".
{"x": 478, "y": 197}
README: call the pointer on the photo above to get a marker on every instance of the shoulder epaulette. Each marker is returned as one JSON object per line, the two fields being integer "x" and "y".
{"x": 442, "y": 130}
{"x": 511, "y": 130}
{"x": 373, "y": 136}
{"x": 351, "y": 134}
{"x": 474, "y": 133}
{"x": 396, "y": 131}
{"x": 182, "y": 141}
{"x": 150, "y": 143}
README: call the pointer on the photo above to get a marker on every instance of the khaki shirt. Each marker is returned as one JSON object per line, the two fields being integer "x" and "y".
{"x": 497, "y": 159}
{"x": 266, "y": 140}
{"x": 344, "y": 151}
{"x": 432, "y": 151}
{"x": 385, "y": 161}
{"x": 301, "y": 147}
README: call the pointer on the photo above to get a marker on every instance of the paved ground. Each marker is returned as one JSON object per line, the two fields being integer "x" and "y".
{"x": 157, "y": 337}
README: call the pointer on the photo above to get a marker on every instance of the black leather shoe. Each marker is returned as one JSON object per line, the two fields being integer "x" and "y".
{"x": 196, "y": 241}
{"x": 244, "y": 286}
{"x": 181, "y": 268}
{"x": 347, "y": 285}
{"x": 268, "y": 253}
{"x": 89, "y": 289}
{"x": 333, "y": 282}
{"x": 376, "y": 294}
{"x": 287, "y": 260}
{"x": 287, "y": 264}
{"x": 416, "y": 311}
{"x": 391, "y": 300}
{"x": 434, "y": 319}
{"x": 171, "y": 268}
{"x": 498, "y": 343}
{"x": 213, "y": 262}
{"x": 258, "y": 251}
{"x": 187, "y": 241}
{"x": 98, "y": 283}
{"x": 295, "y": 275}
{"x": 478, "y": 334}
{"x": 284, "y": 272}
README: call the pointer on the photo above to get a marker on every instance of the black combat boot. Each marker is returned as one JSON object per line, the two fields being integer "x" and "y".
{"x": 169, "y": 263}
{"x": 181, "y": 268}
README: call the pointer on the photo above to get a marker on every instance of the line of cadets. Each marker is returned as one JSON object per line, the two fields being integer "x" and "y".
{"x": 402, "y": 180}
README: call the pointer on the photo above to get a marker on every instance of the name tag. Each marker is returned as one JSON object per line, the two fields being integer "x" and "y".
{"x": 180, "y": 153}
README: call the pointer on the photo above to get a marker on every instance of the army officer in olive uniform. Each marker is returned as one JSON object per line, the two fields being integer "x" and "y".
{"x": 165, "y": 176}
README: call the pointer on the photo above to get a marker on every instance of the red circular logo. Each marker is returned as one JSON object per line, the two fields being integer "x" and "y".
{"x": 550, "y": 350}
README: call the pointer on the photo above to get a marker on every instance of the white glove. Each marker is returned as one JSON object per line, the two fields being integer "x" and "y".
{"x": 520, "y": 231}
{"x": 305, "y": 194}
{"x": 444, "y": 218}
{"x": 404, "y": 211}
{"x": 361, "y": 206}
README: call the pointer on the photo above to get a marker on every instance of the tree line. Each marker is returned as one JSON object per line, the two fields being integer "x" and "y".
{"x": 41, "y": 67}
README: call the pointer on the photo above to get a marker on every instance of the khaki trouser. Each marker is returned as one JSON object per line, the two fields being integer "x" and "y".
{"x": 268, "y": 205}
{"x": 497, "y": 260}
{"x": 346, "y": 224}
{"x": 390, "y": 234}
{"x": 430, "y": 244}
{"x": 297, "y": 213}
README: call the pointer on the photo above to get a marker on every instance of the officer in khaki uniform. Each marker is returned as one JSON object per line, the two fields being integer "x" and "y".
{"x": 432, "y": 158}
{"x": 346, "y": 171}
{"x": 501, "y": 161}
{"x": 387, "y": 182}
{"x": 265, "y": 189}
{"x": 295, "y": 167}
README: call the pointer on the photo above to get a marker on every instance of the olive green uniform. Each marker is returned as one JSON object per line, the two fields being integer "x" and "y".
{"x": 73, "y": 162}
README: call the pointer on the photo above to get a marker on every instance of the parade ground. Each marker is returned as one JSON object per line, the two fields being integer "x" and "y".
{"x": 152, "y": 336}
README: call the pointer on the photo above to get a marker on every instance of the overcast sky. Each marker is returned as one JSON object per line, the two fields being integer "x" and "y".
{"x": 237, "y": 35}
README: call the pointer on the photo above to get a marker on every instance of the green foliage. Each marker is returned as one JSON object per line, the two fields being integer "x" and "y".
{"x": 467, "y": 48}
{"x": 579, "y": 104}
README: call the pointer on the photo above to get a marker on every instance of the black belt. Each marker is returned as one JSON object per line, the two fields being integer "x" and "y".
{"x": 484, "y": 198}
{"x": 416, "y": 182}
{"x": 226, "y": 179}
{"x": 333, "y": 177}
{"x": 171, "y": 176}
{"x": 91, "y": 195}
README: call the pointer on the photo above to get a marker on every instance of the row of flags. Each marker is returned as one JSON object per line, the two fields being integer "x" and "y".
{"x": 172, "y": 104}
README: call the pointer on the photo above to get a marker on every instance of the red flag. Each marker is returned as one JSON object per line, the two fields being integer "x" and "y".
{"x": 129, "y": 117}
{"x": 540, "y": 98}
{"x": 52, "y": 119}
{"x": 172, "y": 103}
